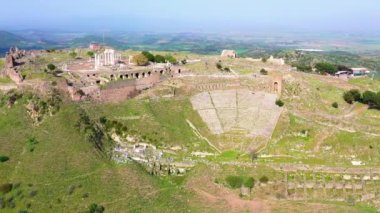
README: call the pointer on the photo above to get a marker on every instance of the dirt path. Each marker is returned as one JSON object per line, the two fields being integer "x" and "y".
{"x": 356, "y": 111}
{"x": 196, "y": 132}
{"x": 321, "y": 137}
{"x": 215, "y": 195}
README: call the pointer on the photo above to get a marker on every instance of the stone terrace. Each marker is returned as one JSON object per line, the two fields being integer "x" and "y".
{"x": 230, "y": 110}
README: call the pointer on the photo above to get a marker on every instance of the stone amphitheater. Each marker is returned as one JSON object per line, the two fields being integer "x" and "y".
{"x": 238, "y": 110}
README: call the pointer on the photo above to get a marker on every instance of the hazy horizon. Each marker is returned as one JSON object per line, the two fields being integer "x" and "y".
{"x": 350, "y": 16}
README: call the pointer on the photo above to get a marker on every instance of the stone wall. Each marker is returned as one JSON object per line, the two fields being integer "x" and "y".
{"x": 148, "y": 82}
{"x": 118, "y": 94}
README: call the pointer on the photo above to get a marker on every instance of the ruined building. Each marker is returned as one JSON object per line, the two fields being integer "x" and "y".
{"x": 11, "y": 63}
{"x": 108, "y": 58}
{"x": 229, "y": 54}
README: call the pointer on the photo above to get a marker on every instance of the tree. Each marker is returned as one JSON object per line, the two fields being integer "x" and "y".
{"x": 335, "y": 105}
{"x": 234, "y": 181}
{"x": 184, "y": 61}
{"x": 73, "y": 54}
{"x": 171, "y": 59}
{"x": 347, "y": 96}
{"x": 263, "y": 72}
{"x": 352, "y": 95}
{"x": 219, "y": 66}
{"x": 264, "y": 59}
{"x": 343, "y": 68}
{"x": 227, "y": 69}
{"x": 249, "y": 183}
{"x": 149, "y": 56}
{"x": 90, "y": 54}
{"x": 280, "y": 103}
{"x": 160, "y": 59}
{"x": 369, "y": 98}
{"x": 356, "y": 94}
{"x": 303, "y": 67}
{"x": 51, "y": 67}
{"x": 326, "y": 68}
{"x": 140, "y": 60}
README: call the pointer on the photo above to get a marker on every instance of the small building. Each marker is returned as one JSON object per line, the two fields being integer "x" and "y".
{"x": 360, "y": 71}
{"x": 279, "y": 61}
{"x": 95, "y": 46}
{"x": 228, "y": 54}
{"x": 343, "y": 74}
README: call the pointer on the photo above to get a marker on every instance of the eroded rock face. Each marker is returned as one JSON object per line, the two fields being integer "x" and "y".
{"x": 228, "y": 110}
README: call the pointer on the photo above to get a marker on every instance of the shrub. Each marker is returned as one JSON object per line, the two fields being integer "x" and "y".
{"x": 263, "y": 72}
{"x": 280, "y": 103}
{"x": 264, "y": 179}
{"x": 3, "y": 158}
{"x": 219, "y": 66}
{"x": 85, "y": 195}
{"x": 335, "y": 105}
{"x": 73, "y": 54}
{"x": 249, "y": 183}
{"x": 351, "y": 200}
{"x": 90, "y": 54}
{"x": 51, "y": 67}
{"x": 95, "y": 208}
{"x": 6, "y": 187}
{"x": 234, "y": 181}
{"x": 227, "y": 69}
{"x": 103, "y": 120}
{"x": 31, "y": 143}
{"x": 33, "y": 193}
{"x": 184, "y": 61}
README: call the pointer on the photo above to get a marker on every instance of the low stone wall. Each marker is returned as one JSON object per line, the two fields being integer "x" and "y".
{"x": 14, "y": 75}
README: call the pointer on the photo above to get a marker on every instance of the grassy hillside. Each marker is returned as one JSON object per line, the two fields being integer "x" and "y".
{"x": 65, "y": 173}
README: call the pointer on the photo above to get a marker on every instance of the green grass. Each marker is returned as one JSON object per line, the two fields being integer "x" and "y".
{"x": 63, "y": 159}
{"x": 162, "y": 123}
{"x": 5, "y": 80}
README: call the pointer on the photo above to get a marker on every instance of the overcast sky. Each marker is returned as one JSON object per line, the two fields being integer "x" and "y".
{"x": 192, "y": 15}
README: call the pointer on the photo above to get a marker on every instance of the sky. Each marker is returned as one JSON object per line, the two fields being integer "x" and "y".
{"x": 192, "y": 15}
